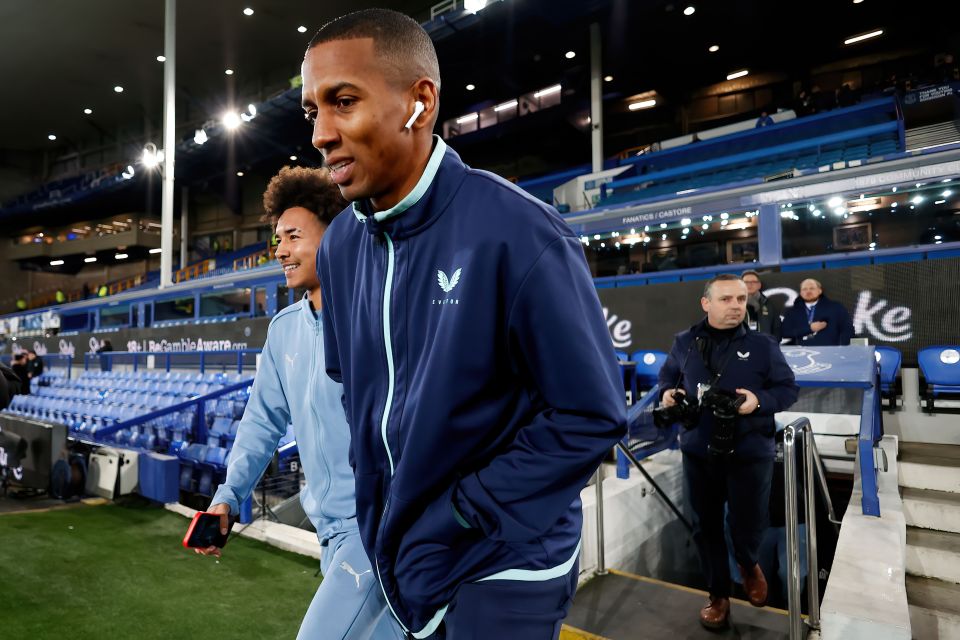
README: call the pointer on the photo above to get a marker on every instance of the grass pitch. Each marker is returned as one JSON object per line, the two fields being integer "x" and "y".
{"x": 119, "y": 571}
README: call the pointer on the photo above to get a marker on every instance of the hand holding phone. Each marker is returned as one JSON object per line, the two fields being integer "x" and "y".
{"x": 209, "y": 530}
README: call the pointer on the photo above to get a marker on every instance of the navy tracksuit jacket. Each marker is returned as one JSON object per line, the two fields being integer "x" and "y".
{"x": 480, "y": 381}
{"x": 753, "y": 361}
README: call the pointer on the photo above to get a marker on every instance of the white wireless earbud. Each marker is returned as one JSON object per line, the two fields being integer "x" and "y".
{"x": 417, "y": 110}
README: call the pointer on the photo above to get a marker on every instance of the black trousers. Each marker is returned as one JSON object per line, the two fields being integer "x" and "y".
{"x": 744, "y": 486}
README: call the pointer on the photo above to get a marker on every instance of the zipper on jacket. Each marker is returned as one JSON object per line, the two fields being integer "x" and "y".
{"x": 388, "y": 347}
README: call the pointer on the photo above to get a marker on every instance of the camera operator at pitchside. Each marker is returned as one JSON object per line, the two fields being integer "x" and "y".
{"x": 724, "y": 382}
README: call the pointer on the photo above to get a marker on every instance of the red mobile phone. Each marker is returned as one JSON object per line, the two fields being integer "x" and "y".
{"x": 204, "y": 531}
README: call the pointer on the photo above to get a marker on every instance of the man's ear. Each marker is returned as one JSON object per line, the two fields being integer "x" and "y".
{"x": 426, "y": 92}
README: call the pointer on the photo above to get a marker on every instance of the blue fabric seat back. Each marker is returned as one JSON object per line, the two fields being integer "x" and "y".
{"x": 889, "y": 359}
{"x": 941, "y": 367}
{"x": 649, "y": 364}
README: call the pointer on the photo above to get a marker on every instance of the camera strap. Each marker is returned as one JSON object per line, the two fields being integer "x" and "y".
{"x": 702, "y": 344}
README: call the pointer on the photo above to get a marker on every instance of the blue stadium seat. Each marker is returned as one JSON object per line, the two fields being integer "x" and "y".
{"x": 889, "y": 359}
{"x": 649, "y": 364}
{"x": 940, "y": 366}
{"x": 221, "y": 426}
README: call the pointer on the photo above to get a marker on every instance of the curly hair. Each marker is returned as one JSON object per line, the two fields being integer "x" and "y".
{"x": 302, "y": 187}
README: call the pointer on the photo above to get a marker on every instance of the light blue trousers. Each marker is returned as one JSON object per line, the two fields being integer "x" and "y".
{"x": 349, "y": 604}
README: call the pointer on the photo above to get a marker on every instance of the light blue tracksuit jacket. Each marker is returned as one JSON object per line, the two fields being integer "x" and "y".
{"x": 291, "y": 386}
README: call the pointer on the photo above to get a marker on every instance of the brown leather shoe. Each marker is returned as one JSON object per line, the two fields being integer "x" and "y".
{"x": 716, "y": 614}
{"x": 755, "y": 585}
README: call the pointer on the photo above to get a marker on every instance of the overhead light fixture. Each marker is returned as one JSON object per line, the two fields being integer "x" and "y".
{"x": 88, "y": 111}
{"x": 834, "y": 202}
{"x": 293, "y": 158}
{"x": 157, "y": 250}
{"x": 689, "y": 11}
{"x": 857, "y": 1}
{"x": 643, "y": 104}
{"x": 510, "y": 104}
{"x": 252, "y": 109}
{"x": 938, "y": 237}
{"x": 663, "y": 225}
{"x": 863, "y": 36}
{"x": 916, "y": 199}
{"x": 713, "y": 48}
{"x": 51, "y": 137}
{"x": 231, "y": 120}
{"x": 470, "y": 87}
{"x": 90, "y": 259}
{"x": 120, "y": 256}
{"x": 686, "y": 222}
{"x": 608, "y": 78}
{"x": 248, "y": 11}
{"x": 302, "y": 29}
{"x": 161, "y": 58}
{"x": 474, "y": 6}
{"x": 56, "y": 263}
{"x": 129, "y": 173}
{"x": 239, "y": 174}
{"x": 118, "y": 89}
{"x": 548, "y": 91}
{"x": 151, "y": 157}
{"x": 229, "y": 72}
{"x": 947, "y": 193}
{"x": 470, "y": 117}
{"x": 200, "y": 136}
{"x": 737, "y": 74}
{"x": 570, "y": 55}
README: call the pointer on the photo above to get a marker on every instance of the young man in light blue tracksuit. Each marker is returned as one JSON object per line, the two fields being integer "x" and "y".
{"x": 291, "y": 387}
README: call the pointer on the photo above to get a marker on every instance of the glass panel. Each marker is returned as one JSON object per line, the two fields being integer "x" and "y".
{"x": 283, "y": 296}
{"x": 225, "y": 303}
{"x": 725, "y": 237}
{"x": 178, "y": 309}
{"x": 259, "y": 302}
{"x": 118, "y": 316}
{"x": 903, "y": 216}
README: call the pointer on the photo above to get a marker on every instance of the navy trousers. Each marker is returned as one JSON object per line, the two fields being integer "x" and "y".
{"x": 744, "y": 485}
{"x": 509, "y": 609}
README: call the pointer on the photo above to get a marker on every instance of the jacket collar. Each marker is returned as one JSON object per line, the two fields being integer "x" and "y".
{"x": 427, "y": 201}
{"x": 700, "y": 329}
{"x": 307, "y": 313}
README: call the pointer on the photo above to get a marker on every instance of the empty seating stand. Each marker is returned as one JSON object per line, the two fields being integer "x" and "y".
{"x": 940, "y": 366}
{"x": 649, "y": 363}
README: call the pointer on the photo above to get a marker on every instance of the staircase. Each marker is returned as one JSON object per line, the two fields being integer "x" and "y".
{"x": 930, "y": 490}
{"x": 933, "y": 135}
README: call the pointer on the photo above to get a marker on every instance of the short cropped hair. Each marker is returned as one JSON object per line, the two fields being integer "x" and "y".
{"x": 750, "y": 272}
{"x": 304, "y": 187}
{"x": 398, "y": 40}
{"x": 723, "y": 277}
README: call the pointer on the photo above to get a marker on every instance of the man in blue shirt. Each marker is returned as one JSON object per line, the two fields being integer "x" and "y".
{"x": 292, "y": 388}
{"x": 482, "y": 389}
{"x": 815, "y": 320}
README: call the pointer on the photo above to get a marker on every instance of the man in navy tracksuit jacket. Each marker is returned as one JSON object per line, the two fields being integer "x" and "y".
{"x": 816, "y": 320}
{"x": 721, "y": 351}
{"x": 481, "y": 386}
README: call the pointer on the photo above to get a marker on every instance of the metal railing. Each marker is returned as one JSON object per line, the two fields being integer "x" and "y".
{"x": 814, "y": 475}
{"x": 106, "y": 358}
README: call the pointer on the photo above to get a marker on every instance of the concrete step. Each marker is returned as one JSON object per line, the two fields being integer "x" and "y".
{"x": 933, "y": 554}
{"x": 930, "y": 466}
{"x": 927, "y": 509}
{"x": 934, "y": 608}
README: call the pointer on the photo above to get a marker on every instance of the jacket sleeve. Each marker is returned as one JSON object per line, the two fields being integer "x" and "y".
{"x": 264, "y": 423}
{"x": 795, "y": 324}
{"x": 561, "y": 348}
{"x": 780, "y": 390}
{"x": 776, "y": 325}
{"x": 331, "y": 350}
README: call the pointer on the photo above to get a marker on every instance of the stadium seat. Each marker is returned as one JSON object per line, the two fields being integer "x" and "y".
{"x": 889, "y": 360}
{"x": 648, "y": 367}
{"x": 940, "y": 366}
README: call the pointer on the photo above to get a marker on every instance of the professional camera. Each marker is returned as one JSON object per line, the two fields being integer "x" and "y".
{"x": 686, "y": 411}
{"x": 724, "y": 405}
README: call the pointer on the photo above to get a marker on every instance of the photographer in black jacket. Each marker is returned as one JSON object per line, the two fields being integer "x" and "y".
{"x": 724, "y": 383}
